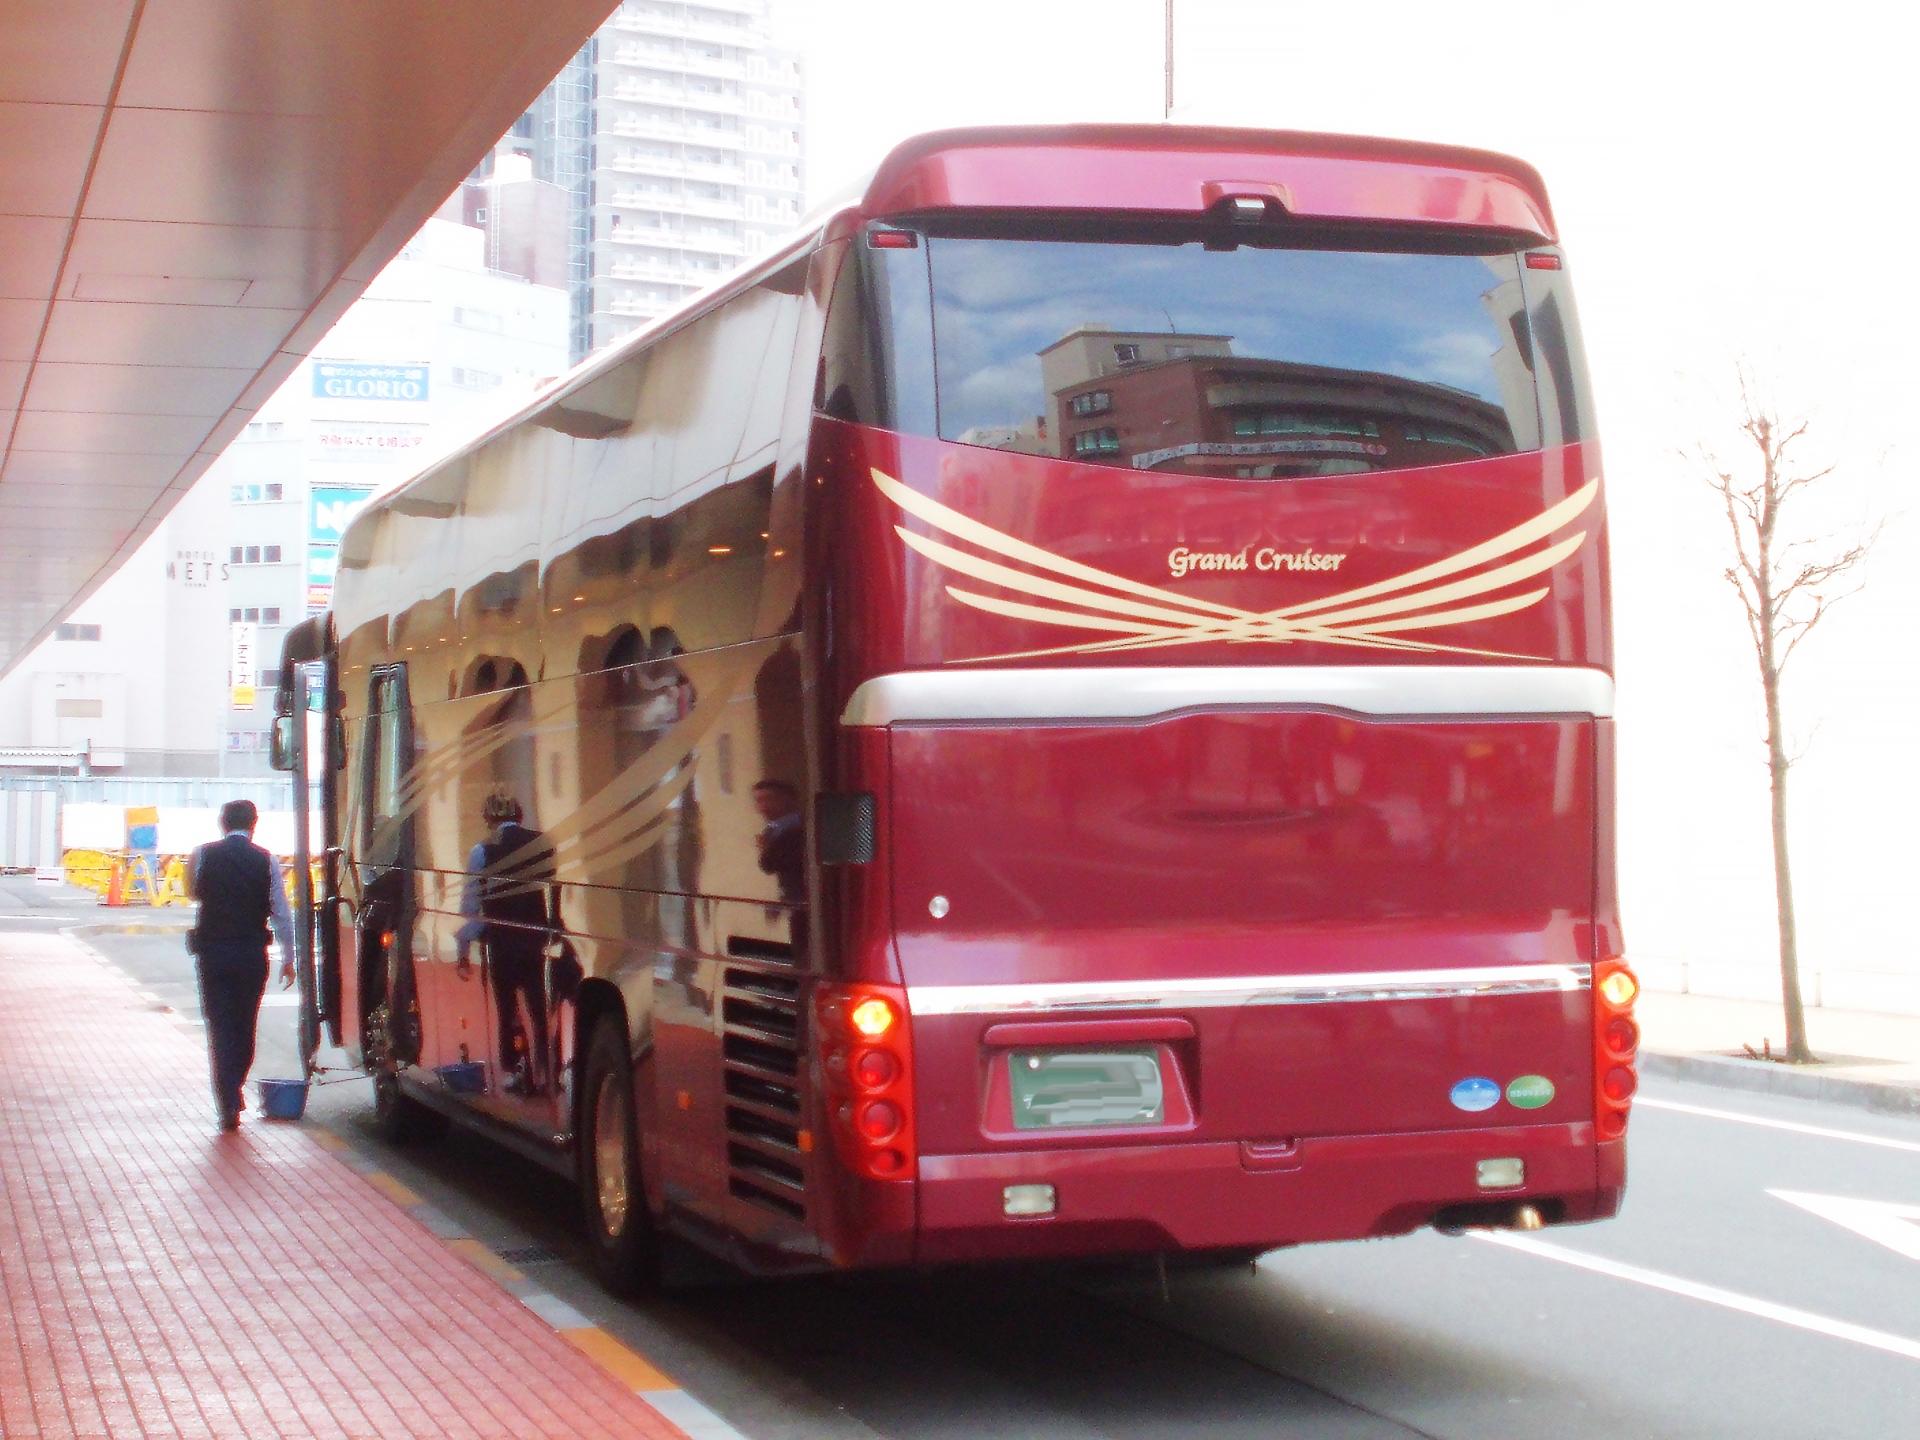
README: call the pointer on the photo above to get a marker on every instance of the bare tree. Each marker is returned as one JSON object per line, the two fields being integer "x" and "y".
{"x": 1786, "y": 586}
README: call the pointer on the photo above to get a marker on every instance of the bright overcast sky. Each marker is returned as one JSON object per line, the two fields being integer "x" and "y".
{"x": 1729, "y": 181}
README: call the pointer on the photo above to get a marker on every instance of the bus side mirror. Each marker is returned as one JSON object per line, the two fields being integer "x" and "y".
{"x": 280, "y": 746}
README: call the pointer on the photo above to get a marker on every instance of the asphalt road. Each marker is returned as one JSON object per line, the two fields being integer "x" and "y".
{"x": 1763, "y": 1280}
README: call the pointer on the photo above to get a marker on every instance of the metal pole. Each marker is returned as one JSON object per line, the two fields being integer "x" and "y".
{"x": 1169, "y": 110}
{"x": 303, "y": 881}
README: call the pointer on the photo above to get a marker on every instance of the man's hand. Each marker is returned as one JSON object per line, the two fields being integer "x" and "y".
{"x": 286, "y": 974}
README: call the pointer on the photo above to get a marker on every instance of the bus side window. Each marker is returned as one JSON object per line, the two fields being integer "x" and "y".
{"x": 386, "y": 765}
{"x": 877, "y": 362}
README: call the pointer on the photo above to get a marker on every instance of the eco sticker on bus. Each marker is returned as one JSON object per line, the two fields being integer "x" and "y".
{"x": 1475, "y": 1093}
{"x": 1529, "y": 1092}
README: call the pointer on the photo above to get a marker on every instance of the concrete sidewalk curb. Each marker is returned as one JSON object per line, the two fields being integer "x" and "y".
{"x": 1776, "y": 1079}
{"x": 125, "y": 927}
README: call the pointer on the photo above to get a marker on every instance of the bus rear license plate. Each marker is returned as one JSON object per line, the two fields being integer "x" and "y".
{"x": 1073, "y": 1089}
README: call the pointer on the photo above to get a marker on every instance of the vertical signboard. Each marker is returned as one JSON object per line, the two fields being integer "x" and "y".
{"x": 330, "y": 509}
{"x": 243, "y": 665}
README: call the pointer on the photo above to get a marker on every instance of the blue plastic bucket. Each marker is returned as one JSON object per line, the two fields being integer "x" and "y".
{"x": 467, "y": 1077}
{"x": 282, "y": 1099}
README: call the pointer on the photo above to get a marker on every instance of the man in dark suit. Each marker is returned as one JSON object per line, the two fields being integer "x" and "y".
{"x": 240, "y": 892}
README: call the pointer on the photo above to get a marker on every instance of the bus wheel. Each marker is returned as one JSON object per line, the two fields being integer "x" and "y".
{"x": 619, "y": 1230}
{"x": 397, "y": 1117}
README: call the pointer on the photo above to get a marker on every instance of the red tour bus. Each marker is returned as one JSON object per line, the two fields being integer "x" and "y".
{"x": 1065, "y": 712}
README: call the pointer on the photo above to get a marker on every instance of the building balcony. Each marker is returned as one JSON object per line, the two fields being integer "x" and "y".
{"x": 701, "y": 170}
{"x": 681, "y": 97}
{"x": 713, "y": 243}
{"x": 645, "y": 235}
{"x": 710, "y": 209}
{"x": 679, "y": 62}
{"x": 741, "y": 34}
{"x": 718, "y": 137}
{"x": 654, "y": 272}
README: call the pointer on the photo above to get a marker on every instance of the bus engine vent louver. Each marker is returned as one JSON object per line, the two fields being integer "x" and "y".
{"x": 762, "y": 1076}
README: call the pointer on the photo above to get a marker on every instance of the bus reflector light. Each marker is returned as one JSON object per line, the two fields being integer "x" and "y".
{"x": 1540, "y": 260}
{"x": 1613, "y": 1124}
{"x": 1618, "y": 988}
{"x": 892, "y": 240}
{"x": 1619, "y": 1083}
{"x": 1500, "y": 1174}
{"x": 1623, "y": 1036}
{"x": 879, "y": 1120}
{"x": 886, "y": 1163}
{"x": 872, "y": 1017}
{"x": 1028, "y": 1200}
{"x": 875, "y": 1069}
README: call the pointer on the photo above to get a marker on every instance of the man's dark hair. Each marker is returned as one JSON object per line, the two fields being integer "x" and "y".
{"x": 238, "y": 815}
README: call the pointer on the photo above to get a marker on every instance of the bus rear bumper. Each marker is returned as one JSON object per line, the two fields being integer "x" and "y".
{"x": 1227, "y": 1195}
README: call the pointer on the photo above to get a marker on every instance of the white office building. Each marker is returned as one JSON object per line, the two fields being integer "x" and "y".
{"x": 169, "y": 668}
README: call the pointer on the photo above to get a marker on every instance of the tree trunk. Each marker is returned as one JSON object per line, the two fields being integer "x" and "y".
{"x": 1797, "y": 1051}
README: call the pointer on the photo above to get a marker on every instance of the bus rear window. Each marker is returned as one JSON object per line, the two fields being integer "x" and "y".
{"x": 1252, "y": 362}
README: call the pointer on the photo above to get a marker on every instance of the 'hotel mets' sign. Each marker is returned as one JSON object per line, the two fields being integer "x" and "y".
{"x": 336, "y": 380}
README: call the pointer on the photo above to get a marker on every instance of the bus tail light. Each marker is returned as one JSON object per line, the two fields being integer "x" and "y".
{"x": 866, "y": 1048}
{"x": 1616, "y": 1040}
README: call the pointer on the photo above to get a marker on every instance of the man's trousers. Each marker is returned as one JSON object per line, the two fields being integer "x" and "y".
{"x": 233, "y": 976}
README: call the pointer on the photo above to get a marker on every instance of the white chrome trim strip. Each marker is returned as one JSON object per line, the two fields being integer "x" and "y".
{"x": 1234, "y": 991}
{"x": 1135, "y": 692}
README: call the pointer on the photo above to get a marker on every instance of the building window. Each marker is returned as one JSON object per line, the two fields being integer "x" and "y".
{"x": 77, "y": 632}
{"x": 1127, "y": 354}
{"x": 270, "y": 615}
{"x": 251, "y": 613}
{"x": 250, "y": 555}
{"x": 272, "y": 556}
{"x": 78, "y": 709}
{"x": 236, "y": 555}
{"x": 476, "y": 319}
{"x": 475, "y": 379}
{"x": 1096, "y": 442}
{"x": 1094, "y": 402}
{"x": 236, "y": 615}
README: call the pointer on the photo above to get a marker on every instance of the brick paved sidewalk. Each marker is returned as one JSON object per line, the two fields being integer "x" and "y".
{"x": 158, "y": 1278}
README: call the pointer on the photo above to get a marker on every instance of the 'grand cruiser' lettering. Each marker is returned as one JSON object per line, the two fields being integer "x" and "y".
{"x": 1182, "y": 561}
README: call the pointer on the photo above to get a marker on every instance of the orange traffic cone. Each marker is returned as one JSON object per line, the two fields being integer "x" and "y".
{"x": 116, "y": 884}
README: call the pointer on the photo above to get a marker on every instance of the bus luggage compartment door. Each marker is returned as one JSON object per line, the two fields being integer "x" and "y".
{"x": 1362, "y": 927}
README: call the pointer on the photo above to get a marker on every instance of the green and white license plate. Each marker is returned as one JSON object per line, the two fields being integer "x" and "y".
{"x": 1072, "y": 1089}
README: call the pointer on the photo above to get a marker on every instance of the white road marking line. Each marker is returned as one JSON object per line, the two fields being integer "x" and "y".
{"x": 1853, "y": 1135}
{"x": 1711, "y": 1294}
{"x": 1883, "y": 1222}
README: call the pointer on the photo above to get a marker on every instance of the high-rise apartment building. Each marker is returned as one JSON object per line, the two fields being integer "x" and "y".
{"x": 676, "y": 135}
{"x": 697, "y": 153}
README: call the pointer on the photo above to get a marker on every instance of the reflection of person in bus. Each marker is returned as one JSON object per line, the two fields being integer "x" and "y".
{"x": 782, "y": 840}
{"x": 513, "y": 906}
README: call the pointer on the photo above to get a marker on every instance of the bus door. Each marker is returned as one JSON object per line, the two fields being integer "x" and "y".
{"x": 387, "y": 914}
{"x": 307, "y": 745}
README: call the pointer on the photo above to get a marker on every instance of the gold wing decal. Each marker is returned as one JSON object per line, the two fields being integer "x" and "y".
{"x": 1137, "y": 616}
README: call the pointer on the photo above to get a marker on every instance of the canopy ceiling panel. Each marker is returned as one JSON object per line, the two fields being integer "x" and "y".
{"x": 191, "y": 193}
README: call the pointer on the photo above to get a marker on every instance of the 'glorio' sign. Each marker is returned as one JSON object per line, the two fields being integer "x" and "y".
{"x": 336, "y": 380}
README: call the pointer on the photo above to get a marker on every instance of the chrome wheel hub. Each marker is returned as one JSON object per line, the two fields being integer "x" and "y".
{"x": 610, "y": 1136}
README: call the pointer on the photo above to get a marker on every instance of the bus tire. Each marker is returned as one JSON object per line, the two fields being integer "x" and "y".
{"x": 620, "y": 1233}
{"x": 397, "y": 1117}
